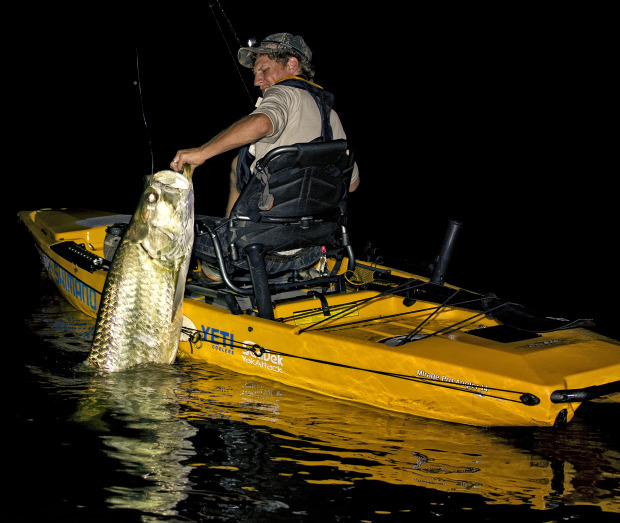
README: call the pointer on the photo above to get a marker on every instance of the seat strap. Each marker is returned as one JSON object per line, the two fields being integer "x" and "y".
{"x": 265, "y": 202}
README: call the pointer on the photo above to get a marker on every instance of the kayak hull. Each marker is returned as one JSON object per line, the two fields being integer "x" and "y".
{"x": 466, "y": 371}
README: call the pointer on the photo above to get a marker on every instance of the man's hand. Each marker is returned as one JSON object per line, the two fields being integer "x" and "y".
{"x": 193, "y": 157}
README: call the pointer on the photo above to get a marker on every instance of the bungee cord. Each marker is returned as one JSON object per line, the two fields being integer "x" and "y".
{"x": 415, "y": 331}
{"x": 196, "y": 339}
{"x": 407, "y": 285}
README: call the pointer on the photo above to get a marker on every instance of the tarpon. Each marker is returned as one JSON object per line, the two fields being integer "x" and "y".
{"x": 141, "y": 309}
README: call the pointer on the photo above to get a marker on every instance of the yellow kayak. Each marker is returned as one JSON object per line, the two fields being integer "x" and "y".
{"x": 385, "y": 338}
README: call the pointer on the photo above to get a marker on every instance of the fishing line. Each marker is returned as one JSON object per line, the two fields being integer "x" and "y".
{"x": 146, "y": 127}
{"x": 234, "y": 59}
{"x": 232, "y": 29}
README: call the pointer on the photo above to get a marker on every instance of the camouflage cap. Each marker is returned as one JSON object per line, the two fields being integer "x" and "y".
{"x": 276, "y": 42}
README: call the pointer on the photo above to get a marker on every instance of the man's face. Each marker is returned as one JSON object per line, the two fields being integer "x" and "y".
{"x": 267, "y": 72}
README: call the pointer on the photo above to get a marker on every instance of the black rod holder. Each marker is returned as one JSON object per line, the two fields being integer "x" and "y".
{"x": 256, "y": 264}
{"x": 441, "y": 265}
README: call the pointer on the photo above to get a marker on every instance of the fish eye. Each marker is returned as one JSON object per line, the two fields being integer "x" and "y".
{"x": 151, "y": 197}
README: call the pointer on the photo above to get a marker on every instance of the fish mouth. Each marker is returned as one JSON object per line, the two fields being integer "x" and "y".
{"x": 175, "y": 180}
{"x": 159, "y": 228}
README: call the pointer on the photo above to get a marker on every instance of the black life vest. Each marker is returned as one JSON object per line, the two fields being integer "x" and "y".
{"x": 324, "y": 100}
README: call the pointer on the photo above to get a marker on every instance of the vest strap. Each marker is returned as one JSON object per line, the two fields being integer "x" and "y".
{"x": 324, "y": 100}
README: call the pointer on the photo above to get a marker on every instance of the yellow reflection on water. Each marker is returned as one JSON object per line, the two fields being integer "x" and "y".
{"x": 321, "y": 434}
{"x": 145, "y": 420}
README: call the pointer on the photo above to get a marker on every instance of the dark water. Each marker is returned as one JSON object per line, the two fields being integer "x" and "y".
{"x": 192, "y": 443}
{"x": 512, "y": 117}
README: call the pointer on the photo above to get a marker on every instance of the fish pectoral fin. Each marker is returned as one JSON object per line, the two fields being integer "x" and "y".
{"x": 179, "y": 292}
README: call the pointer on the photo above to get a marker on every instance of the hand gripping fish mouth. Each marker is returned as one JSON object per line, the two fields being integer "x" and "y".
{"x": 157, "y": 227}
{"x": 141, "y": 310}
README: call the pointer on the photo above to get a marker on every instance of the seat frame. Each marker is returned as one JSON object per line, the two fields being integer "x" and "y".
{"x": 262, "y": 286}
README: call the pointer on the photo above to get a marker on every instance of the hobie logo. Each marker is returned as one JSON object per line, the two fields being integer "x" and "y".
{"x": 447, "y": 379}
{"x": 255, "y": 355}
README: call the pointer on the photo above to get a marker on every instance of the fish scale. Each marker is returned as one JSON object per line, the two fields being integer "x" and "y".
{"x": 152, "y": 297}
{"x": 140, "y": 314}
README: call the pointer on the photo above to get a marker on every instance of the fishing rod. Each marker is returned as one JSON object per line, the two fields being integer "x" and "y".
{"x": 138, "y": 81}
{"x": 146, "y": 126}
{"x": 230, "y": 52}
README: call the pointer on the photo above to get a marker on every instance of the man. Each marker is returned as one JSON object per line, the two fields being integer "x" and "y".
{"x": 285, "y": 115}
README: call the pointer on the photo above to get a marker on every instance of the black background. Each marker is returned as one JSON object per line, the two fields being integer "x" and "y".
{"x": 503, "y": 118}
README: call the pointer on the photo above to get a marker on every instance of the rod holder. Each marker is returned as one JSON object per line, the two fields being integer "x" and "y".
{"x": 256, "y": 264}
{"x": 443, "y": 260}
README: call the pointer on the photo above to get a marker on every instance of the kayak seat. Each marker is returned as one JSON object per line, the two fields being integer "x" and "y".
{"x": 291, "y": 212}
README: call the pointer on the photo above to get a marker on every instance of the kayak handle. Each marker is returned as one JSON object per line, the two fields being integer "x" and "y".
{"x": 587, "y": 394}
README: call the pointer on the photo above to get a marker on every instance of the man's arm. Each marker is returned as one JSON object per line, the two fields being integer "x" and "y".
{"x": 244, "y": 131}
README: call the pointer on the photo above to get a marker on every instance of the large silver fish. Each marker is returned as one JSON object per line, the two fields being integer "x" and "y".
{"x": 141, "y": 310}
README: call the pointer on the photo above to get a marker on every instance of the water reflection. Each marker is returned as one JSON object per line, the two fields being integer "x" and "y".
{"x": 189, "y": 437}
{"x": 135, "y": 414}
{"x": 353, "y": 443}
